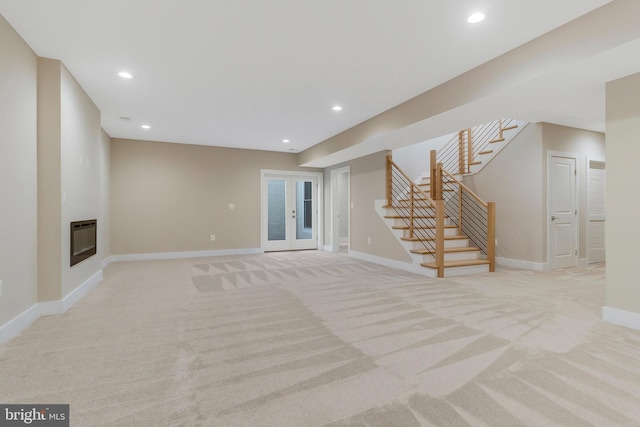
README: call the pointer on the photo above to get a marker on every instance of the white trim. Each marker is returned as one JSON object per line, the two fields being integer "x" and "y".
{"x": 624, "y": 318}
{"x": 188, "y": 254}
{"x": 521, "y": 264}
{"x": 391, "y": 263}
{"x": 21, "y": 322}
{"x": 15, "y": 326}
{"x": 105, "y": 262}
{"x": 326, "y": 248}
{"x": 583, "y": 263}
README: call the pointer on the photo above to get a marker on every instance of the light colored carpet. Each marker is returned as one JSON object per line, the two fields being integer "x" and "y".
{"x": 320, "y": 339}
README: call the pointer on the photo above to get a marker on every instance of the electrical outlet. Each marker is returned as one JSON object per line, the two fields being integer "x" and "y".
{"x": 496, "y": 242}
{"x": 369, "y": 240}
{"x": 232, "y": 206}
{"x": 213, "y": 237}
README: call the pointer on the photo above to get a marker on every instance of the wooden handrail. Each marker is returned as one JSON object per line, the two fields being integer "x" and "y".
{"x": 413, "y": 184}
{"x": 465, "y": 188}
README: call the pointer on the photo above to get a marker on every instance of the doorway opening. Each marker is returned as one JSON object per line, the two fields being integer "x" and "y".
{"x": 340, "y": 209}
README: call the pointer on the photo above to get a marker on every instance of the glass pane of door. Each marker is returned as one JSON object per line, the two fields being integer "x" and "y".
{"x": 277, "y": 209}
{"x": 304, "y": 210}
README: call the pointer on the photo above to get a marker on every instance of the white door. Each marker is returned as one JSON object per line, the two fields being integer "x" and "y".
{"x": 563, "y": 212}
{"x": 596, "y": 211}
{"x": 290, "y": 218}
{"x": 340, "y": 201}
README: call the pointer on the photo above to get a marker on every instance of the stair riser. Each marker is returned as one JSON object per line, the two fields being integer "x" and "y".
{"x": 418, "y": 233}
{"x": 458, "y": 243}
{"x": 461, "y": 256}
{"x": 465, "y": 271}
{"x": 423, "y": 222}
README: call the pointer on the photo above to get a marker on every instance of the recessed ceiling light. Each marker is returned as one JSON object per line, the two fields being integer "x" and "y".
{"x": 125, "y": 75}
{"x": 286, "y": 141}
{"x": 145, "y": 127}
{"x": 475, "y": 18}
{"x": 337, "y": 108}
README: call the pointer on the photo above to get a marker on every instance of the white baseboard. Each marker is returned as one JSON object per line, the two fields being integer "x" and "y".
{"x": 391, "y": 263}
{"x": 180, "y": 255}
{"x": 524, "y": 265}
{"x": 583, "y": 263}
{"x": 624, "y": 318}
{"x": 21, "y": 322}
{"x": 105, "y": 262}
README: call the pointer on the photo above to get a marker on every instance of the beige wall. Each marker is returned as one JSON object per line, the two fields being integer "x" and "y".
{"x": 623, "y": 193}
{"x": 368, "y": 185}
{"x": 18, "y": 174}
{"x": 49, "y": 181}
{"x": 172, "y": 197}
{"x": 516, "y": 179}
{"x": 583, "y": 144}
{"x": 80, "y": 180}
{"x": 513, "y": 179}
{"x": 72, "y": 162}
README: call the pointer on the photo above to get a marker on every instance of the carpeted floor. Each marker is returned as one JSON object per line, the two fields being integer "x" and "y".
{"x": 320, "y": 339}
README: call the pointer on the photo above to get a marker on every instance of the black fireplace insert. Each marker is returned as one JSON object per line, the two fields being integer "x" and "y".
{"x": 83, "y": 240}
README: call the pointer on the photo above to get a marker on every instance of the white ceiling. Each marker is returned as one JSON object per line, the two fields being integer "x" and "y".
{"x": 250, "y": 73}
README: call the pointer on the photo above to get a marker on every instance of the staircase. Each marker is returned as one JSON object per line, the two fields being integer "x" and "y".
{"x": 446, "y": 228}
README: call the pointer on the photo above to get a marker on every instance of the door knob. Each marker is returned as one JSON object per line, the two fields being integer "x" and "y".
{"x": 553, "y": 217}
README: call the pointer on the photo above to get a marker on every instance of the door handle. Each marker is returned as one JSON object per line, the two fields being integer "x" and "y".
{"x": 553, "y": 217}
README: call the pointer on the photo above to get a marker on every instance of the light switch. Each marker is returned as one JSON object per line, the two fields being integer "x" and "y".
{"x": 232, "y": 206}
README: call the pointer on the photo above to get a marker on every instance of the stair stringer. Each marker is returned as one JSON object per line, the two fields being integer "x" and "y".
{"x": 496, "y": 147}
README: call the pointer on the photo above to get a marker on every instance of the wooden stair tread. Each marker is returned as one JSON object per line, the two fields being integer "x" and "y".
{"x": 446, "y": 250}
{"x": 486, "y": 152}
{"x": 497, "y": 140}
{"x": 510, "y": 127}
{"x": 407, "y": 217}
{"x": 416, "y": 239}
{"x": 473, "y": 163}
{"x": 464, "y": 263}
{"x": 423, "y": 227}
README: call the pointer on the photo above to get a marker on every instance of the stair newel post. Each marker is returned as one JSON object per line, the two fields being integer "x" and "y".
{"x": 440, "y": 237}
{"x": 461, "y": 152}
{"x": 469, "y": 149}
{"x": 411, "y": 198}
{"x": 432, "y": 175}
{"x": 389, "y": 181}
{"x": 438, "y": 182}
{"x": 491, "y": 235}
{"x": 459, "y": 210}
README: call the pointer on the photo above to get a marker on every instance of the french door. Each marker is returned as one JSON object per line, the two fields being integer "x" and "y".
{"x": 289, "y": 212}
